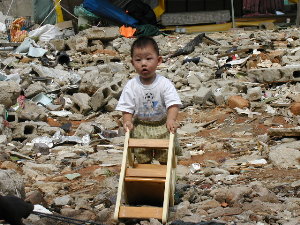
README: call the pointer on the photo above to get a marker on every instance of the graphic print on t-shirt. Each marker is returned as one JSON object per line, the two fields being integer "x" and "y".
{"x": 149, "y": 104}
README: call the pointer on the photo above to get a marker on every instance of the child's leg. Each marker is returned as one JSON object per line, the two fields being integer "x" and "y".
{"x": 142, "y": 155}
{"x": 162, "y": 155}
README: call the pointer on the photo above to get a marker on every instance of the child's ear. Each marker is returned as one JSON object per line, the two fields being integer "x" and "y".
{"x": 160, "y": 59}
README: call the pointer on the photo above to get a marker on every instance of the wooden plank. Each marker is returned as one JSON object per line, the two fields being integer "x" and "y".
{"x": 148, "y": 143}
{"x": 122, "y": 176}
{"x": 143, "y": 179}
{"x": 147, "y": 170}
{"x": 140, "y": 212}
{"x": 168, "y": 179}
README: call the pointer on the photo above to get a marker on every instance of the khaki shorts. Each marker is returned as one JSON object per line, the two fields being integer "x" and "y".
{"x": 152, "y": 130}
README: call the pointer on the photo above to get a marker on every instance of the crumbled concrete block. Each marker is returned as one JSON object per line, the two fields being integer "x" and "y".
{"x": 218, "y": 96}
{"x": 25, "y": 130}
{"x": 202, "y": 95}
{"x": 254, "y": 93}
{"x": 295, "y": 108}
{"x": 111, "y": 105}
{"x": 80, "y": 103}
{"x": 34, "y": 89}
{"x": 12, "y": 118}
{"x": 59, "y": 44}
{"x": 9, "y": 92}
{"x": 84, "y": 129}
{"x": 2, "y": 110}
{"x": 275, "y": 74}
{"x": 102, "y": 33}
{"x": 3, "y": 139}
{"x": 81, "y": 44}
{"x": 195, "y": 17}
{"x": 62, "y": 77}
{"x": 32, "y": 112}
{"x": 106, "y": 93}
{"x": 193, "y": 81}
{"x": 237, "y": 101}
{"x": 11, "y": 183}
{"x": 92, "y": 81}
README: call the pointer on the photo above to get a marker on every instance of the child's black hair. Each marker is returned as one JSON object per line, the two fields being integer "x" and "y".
{"x": 142, "y": 42}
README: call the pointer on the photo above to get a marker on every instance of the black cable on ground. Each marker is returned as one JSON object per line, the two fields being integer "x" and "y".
{"x": 65, "y": 219}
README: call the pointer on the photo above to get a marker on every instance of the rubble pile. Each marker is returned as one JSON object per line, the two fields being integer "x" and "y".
{"x": 61, "y": 140}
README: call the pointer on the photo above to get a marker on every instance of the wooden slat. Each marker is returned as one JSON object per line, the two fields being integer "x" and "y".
{"x": 122, "y": 176}
{"x": 140, "y": 212}
{"x": 148, "y": 143}
{"x": 143, "y": 179}
{"x": 147, "y": 170}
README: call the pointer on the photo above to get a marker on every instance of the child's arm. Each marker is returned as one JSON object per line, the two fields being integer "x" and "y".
{"x": 171, "y": 118}
{"x": 127, "y": 121}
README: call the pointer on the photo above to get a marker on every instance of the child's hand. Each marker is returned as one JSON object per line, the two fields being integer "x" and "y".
{"x": 172, "y": 125}
{"x": 128, "y": 126}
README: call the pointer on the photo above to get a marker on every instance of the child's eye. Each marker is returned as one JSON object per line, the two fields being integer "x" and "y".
{"x": 137, "y": 60}
{"x": 149, "y": 58}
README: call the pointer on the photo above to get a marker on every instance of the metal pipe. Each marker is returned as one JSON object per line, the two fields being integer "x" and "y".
{"x": 232, "y": 14}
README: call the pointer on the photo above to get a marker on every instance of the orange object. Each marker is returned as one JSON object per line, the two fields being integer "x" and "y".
{"x": 127, "y": 31}
{"x": 16, "y": 34}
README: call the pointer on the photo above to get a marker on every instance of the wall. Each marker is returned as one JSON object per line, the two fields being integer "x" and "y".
{"x": 19, "y": 7}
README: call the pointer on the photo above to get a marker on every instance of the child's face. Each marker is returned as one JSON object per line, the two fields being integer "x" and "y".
{"x": 145, "y": 61}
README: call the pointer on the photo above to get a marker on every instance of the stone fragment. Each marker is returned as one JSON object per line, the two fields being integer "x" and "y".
{"x": 111, "y": 105}
{"x": 25, "y": 130}
{"x": 275, "y": 74}
{"x": 106, "y": 93}
{"x": 295, "y": 108}
{"x": 32, "y": 112}
{"x": 254, "y": 93}
{"x": 62, "y": 201}
{"x": 11, "y": 183}
{"x": 80, "y": 103}
{"x": 193, "y": 81}
{"x": 36, "y": 197}
{"x": 285, "y": 157}
{"x": 102, "y": 33}
{"x": 58, "y": 44}
{"x": 9, "y": 92}
{"x": 92, "y": 81}
{"x": 237, "y": 101}
{"x": 34, "y": 89}
{"x": 202, "y": 95}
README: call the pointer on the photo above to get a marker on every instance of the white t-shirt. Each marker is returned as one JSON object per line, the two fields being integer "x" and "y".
{"x": 148, "y": 102}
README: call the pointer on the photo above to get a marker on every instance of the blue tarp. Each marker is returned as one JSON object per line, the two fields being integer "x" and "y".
{"x": 103, "y": 8}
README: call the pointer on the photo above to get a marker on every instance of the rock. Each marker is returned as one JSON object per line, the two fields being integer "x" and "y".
{"x": 94, "y": 80}
{"x": 8, "y": 165}
{"x": 254, "y": 93}
{"x": 84, "y": 129}
{"x": 9, "y": 92}
{"x": 34, "y": 89}
{"x": 285, "y": 157}
{"x": 32, "y": 112}
{"x": 36, "y": 197}
{"x": 202, "y": 95}
{"x": 209, "y": 204}
{"x": 62, "y": 201}
{"x": 11, "y": 183}
{"x": 58, "y": 44}
{"x": 80, "y": 101}
{"x": 102, "y": 33}
{"x": 295, "y": 108}
{"x": 237, "y": 101}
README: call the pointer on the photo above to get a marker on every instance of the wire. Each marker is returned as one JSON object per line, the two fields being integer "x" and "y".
{"x": 50, "y": 12}
{"x": 65, "y": 219}
{"x": 9, "y": 7}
